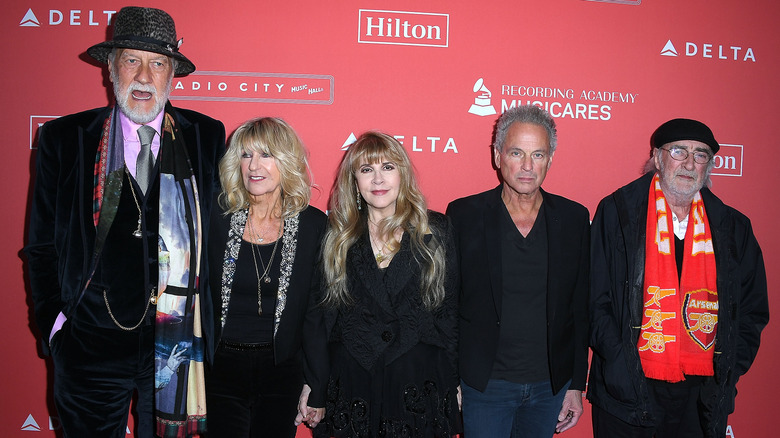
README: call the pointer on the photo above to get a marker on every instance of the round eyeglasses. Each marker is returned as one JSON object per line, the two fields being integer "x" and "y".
{"x": 680, "y": 154}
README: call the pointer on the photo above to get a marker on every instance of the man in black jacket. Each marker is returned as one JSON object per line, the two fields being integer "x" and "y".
{"x": 678, "y": 296}
{"x": 114, "y": 239}
{"x": 524, "y": 256}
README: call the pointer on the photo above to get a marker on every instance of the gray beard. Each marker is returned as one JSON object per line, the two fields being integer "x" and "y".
{"x": 138, "y": 116}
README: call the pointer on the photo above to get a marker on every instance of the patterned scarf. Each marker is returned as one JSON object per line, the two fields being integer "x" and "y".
{"x": 678, "y": 329}
{"x": 180, "y": 400}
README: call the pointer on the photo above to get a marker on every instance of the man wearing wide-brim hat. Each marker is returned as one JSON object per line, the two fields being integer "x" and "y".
{"x": 678, "y": 296}
{"x": 114, "y": 239}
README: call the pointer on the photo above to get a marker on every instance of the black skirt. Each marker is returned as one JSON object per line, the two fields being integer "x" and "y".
{"x": 413, "y": 396}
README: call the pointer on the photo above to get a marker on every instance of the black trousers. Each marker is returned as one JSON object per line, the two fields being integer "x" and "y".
{"x": 676, "y": 408}
{"x": 247, "y": 395}
{"x": 96, "y": 372}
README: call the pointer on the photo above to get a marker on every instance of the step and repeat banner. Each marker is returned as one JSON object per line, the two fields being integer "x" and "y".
{"x": 435, "y": 74}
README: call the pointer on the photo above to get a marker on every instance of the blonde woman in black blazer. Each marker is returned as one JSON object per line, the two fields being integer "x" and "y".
{"x": 263, "y": 249}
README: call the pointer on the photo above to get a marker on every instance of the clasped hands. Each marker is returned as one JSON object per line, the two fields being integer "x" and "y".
{"x": 307, "y": 414}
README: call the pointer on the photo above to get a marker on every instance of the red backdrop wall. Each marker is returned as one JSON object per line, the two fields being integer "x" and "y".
{"x": 434, "y": 73}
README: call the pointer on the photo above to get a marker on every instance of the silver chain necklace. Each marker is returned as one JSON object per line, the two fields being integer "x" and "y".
{"x": 137, "y": 233}
{"x": 266, "y": 268}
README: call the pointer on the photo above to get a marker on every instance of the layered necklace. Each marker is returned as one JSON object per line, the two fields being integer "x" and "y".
{"x": 264, "y": 278}
{"x": 382, "y": 253}
{"x": 380, "y": 256}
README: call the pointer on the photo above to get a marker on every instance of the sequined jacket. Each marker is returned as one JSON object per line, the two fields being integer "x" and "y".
{"x": 296, "y": 309}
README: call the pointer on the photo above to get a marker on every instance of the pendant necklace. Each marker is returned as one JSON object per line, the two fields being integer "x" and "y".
{"x": 137, "y": 233}
{"x": 265, "y": 278}
{"x": 380, "y": 255}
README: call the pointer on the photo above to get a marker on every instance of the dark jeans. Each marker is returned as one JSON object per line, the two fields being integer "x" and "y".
{"x": 248, "y": 396}
{"x": 96, "y": 371}
{"x": 675, "y": 407}
{"x": 508, "y": 409}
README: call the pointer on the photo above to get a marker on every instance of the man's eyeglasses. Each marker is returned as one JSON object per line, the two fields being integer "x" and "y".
{"x": 680, "y": 154}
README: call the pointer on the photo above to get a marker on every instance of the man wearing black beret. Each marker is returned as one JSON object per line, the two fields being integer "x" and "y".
{"x": 678, "y": 296}
{"x": 115, "y": 239}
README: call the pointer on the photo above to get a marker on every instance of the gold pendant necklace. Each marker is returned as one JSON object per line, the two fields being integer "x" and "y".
{"x": 380, "y": 255}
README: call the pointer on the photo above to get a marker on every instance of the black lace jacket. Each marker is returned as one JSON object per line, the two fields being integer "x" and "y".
{"x": 388, "y": 318}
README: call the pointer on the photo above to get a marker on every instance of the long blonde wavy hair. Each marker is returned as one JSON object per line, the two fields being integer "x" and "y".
{"x": 275, "y": 137}
{"x": 348, "y": 223}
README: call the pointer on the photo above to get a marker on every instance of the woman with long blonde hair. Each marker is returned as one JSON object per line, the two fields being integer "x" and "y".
{"x": 390, "y": 300}
{"x": 263, "y": 249}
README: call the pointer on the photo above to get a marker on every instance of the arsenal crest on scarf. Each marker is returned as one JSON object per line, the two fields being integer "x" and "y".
{"x": 700, "y": 315}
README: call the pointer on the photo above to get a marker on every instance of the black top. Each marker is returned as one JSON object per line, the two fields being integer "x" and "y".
{"x": 522, "y": 344}
{"x": 679, "y": 252}
{"x": 244, "y": 324}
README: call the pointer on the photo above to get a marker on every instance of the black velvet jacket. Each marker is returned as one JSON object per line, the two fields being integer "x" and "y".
{"x": 61, "y": 236}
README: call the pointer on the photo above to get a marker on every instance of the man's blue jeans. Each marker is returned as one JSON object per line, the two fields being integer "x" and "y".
{"x": 509, "y": 409}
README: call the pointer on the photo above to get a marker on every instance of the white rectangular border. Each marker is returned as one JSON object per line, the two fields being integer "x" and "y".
{"x": 741, "y": 160}
{"x": 360, "y": 16}
{"x": 331, "y": 80}
{"x": 620, "y": 2}
{"x": 32, "y": 131}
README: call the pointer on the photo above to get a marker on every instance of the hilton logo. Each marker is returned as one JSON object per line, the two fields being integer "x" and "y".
{"x": 728, "y": 161}
{"x": 403, "y": 28}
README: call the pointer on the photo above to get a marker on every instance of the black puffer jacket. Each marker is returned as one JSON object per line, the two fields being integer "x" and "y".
{"x": 617, "y": 383}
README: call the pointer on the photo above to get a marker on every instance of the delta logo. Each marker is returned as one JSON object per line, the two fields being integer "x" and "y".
{"x": 403, "y": 28}
{"x": 727, "y": 52}
{"x": 30, "y": 425}
{"x": 416, "y": 143}
{"x": 73, "y": 17}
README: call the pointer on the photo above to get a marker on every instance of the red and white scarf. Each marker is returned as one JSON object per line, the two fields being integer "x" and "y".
{"x": 680, "y": 318}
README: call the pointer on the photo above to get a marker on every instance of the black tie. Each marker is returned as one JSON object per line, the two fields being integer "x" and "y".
{"x": 145, "y": 161}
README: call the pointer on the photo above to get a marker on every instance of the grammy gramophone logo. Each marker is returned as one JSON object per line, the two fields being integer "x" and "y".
{"x": 482, "y": 105}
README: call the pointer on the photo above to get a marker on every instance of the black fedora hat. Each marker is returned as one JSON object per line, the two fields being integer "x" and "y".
{"x": 146, "y": 29}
